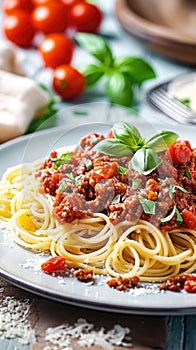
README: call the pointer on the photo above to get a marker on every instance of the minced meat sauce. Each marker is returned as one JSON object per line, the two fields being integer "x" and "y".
{"x": 91, "y": 182}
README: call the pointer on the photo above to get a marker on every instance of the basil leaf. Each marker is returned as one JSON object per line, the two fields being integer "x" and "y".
{"x": 187, "y": 173}
{"x": 135, "y": 184}
{"x": 185, "y": 101}
{"x": 47, "y": 119}
{"x": 145, "y": 161}
{"x": 172, "y": 189}
{"x": 96, "y": 46}
{"x": 95, "y": 141}
{"x": 62, "y": 187}
{"x": 128, "y": 135}
{"x": 78, "y": 178}
{"x": 138, "y": 69}
{"x": 53, "y": 98}
{"x": 64, "y": 159}
{"x": 147, "y": 205}
{"x": 80, "y": 113}
{"x": 70, "y": 177}
{"x": 162, "y": 140}
{"x": 112, "y": 147}
{"x": 170, "y": 216}
{"x": 122, "y": 170}
{"x": 116, "y": 199}
{"x": 92, "y": 74}
{"x": 179, "y": 218}
{"x": 119, "y": 89}
{"x": 88, "y": 164}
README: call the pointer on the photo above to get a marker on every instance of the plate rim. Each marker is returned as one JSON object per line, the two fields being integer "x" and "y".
{"x": 89, "y": 304}
{"x": 97, "y": 305}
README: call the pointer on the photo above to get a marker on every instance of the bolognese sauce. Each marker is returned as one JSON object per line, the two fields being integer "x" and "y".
{"x": 91, "y": 182}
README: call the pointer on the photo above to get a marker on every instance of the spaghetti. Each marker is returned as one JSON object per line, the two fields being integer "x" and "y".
{"x": 78, "y": 205}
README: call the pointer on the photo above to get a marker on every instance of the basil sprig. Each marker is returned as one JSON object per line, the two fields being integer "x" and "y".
{"x": 121, "y": 74}
{"x": 128, "y": 141}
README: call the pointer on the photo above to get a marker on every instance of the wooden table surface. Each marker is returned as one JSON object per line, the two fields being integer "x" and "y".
{"x": 147, "y": 332}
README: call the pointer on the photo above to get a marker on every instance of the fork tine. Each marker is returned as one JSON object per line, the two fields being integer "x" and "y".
{"x": 166, "y": 107}
{"x": 163, "y": 96}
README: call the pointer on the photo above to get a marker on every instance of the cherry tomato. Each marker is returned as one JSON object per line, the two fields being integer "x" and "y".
{"x": 40, "y": 2}
{"x": 189, "y": 219}
{"x": 70, "y": 3}
{"x": 53, "y": 264}
{"x": 85, "y": 17}
{"x": 68, "y": 82}
{"x": 50, "y": 17}
{"x": 19, "y": 29}
{"x": 56, "y": 49}
{"x": 180, "y": 152}
{"x": 10, "y": 6}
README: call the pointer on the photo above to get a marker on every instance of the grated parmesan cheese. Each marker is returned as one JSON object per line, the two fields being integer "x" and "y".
{"x": 14, "y": 320}
{"x": 60, "y": 337}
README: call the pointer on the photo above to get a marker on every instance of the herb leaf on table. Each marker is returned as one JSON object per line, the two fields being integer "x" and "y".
{"x": 119, "y": 89}
{"x": 121, "y": 74}
{"x": 137, "y": 68}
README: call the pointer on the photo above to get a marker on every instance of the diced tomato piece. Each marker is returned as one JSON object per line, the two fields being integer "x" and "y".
{"x": 107, "y": 170}
{"x": 189, "y": 219}
{"x": 110, "y": 135}
{"x": 96, "y": 177}
{"x": 53, "y": 264}
{"x": 180, "y": 152}
{"x": 190, "y": 286}
{"x": 193, "y": 174}
{"x": 53, "y": 154}
{"x": 74, "y": 161}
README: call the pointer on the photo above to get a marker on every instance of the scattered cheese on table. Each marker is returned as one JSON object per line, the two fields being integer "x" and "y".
{"x": 60, "y": 337}
{"x": 14, "y": 320}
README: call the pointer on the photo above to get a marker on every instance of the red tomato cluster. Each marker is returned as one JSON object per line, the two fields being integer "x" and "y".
{"x": 52, "y": 18}
{"x": 49, "y": 16}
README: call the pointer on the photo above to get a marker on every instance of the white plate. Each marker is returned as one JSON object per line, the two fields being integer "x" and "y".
{"x": 21, "y": 267}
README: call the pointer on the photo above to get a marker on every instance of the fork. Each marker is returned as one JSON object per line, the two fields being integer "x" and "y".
{"x": 160, "y": 99}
